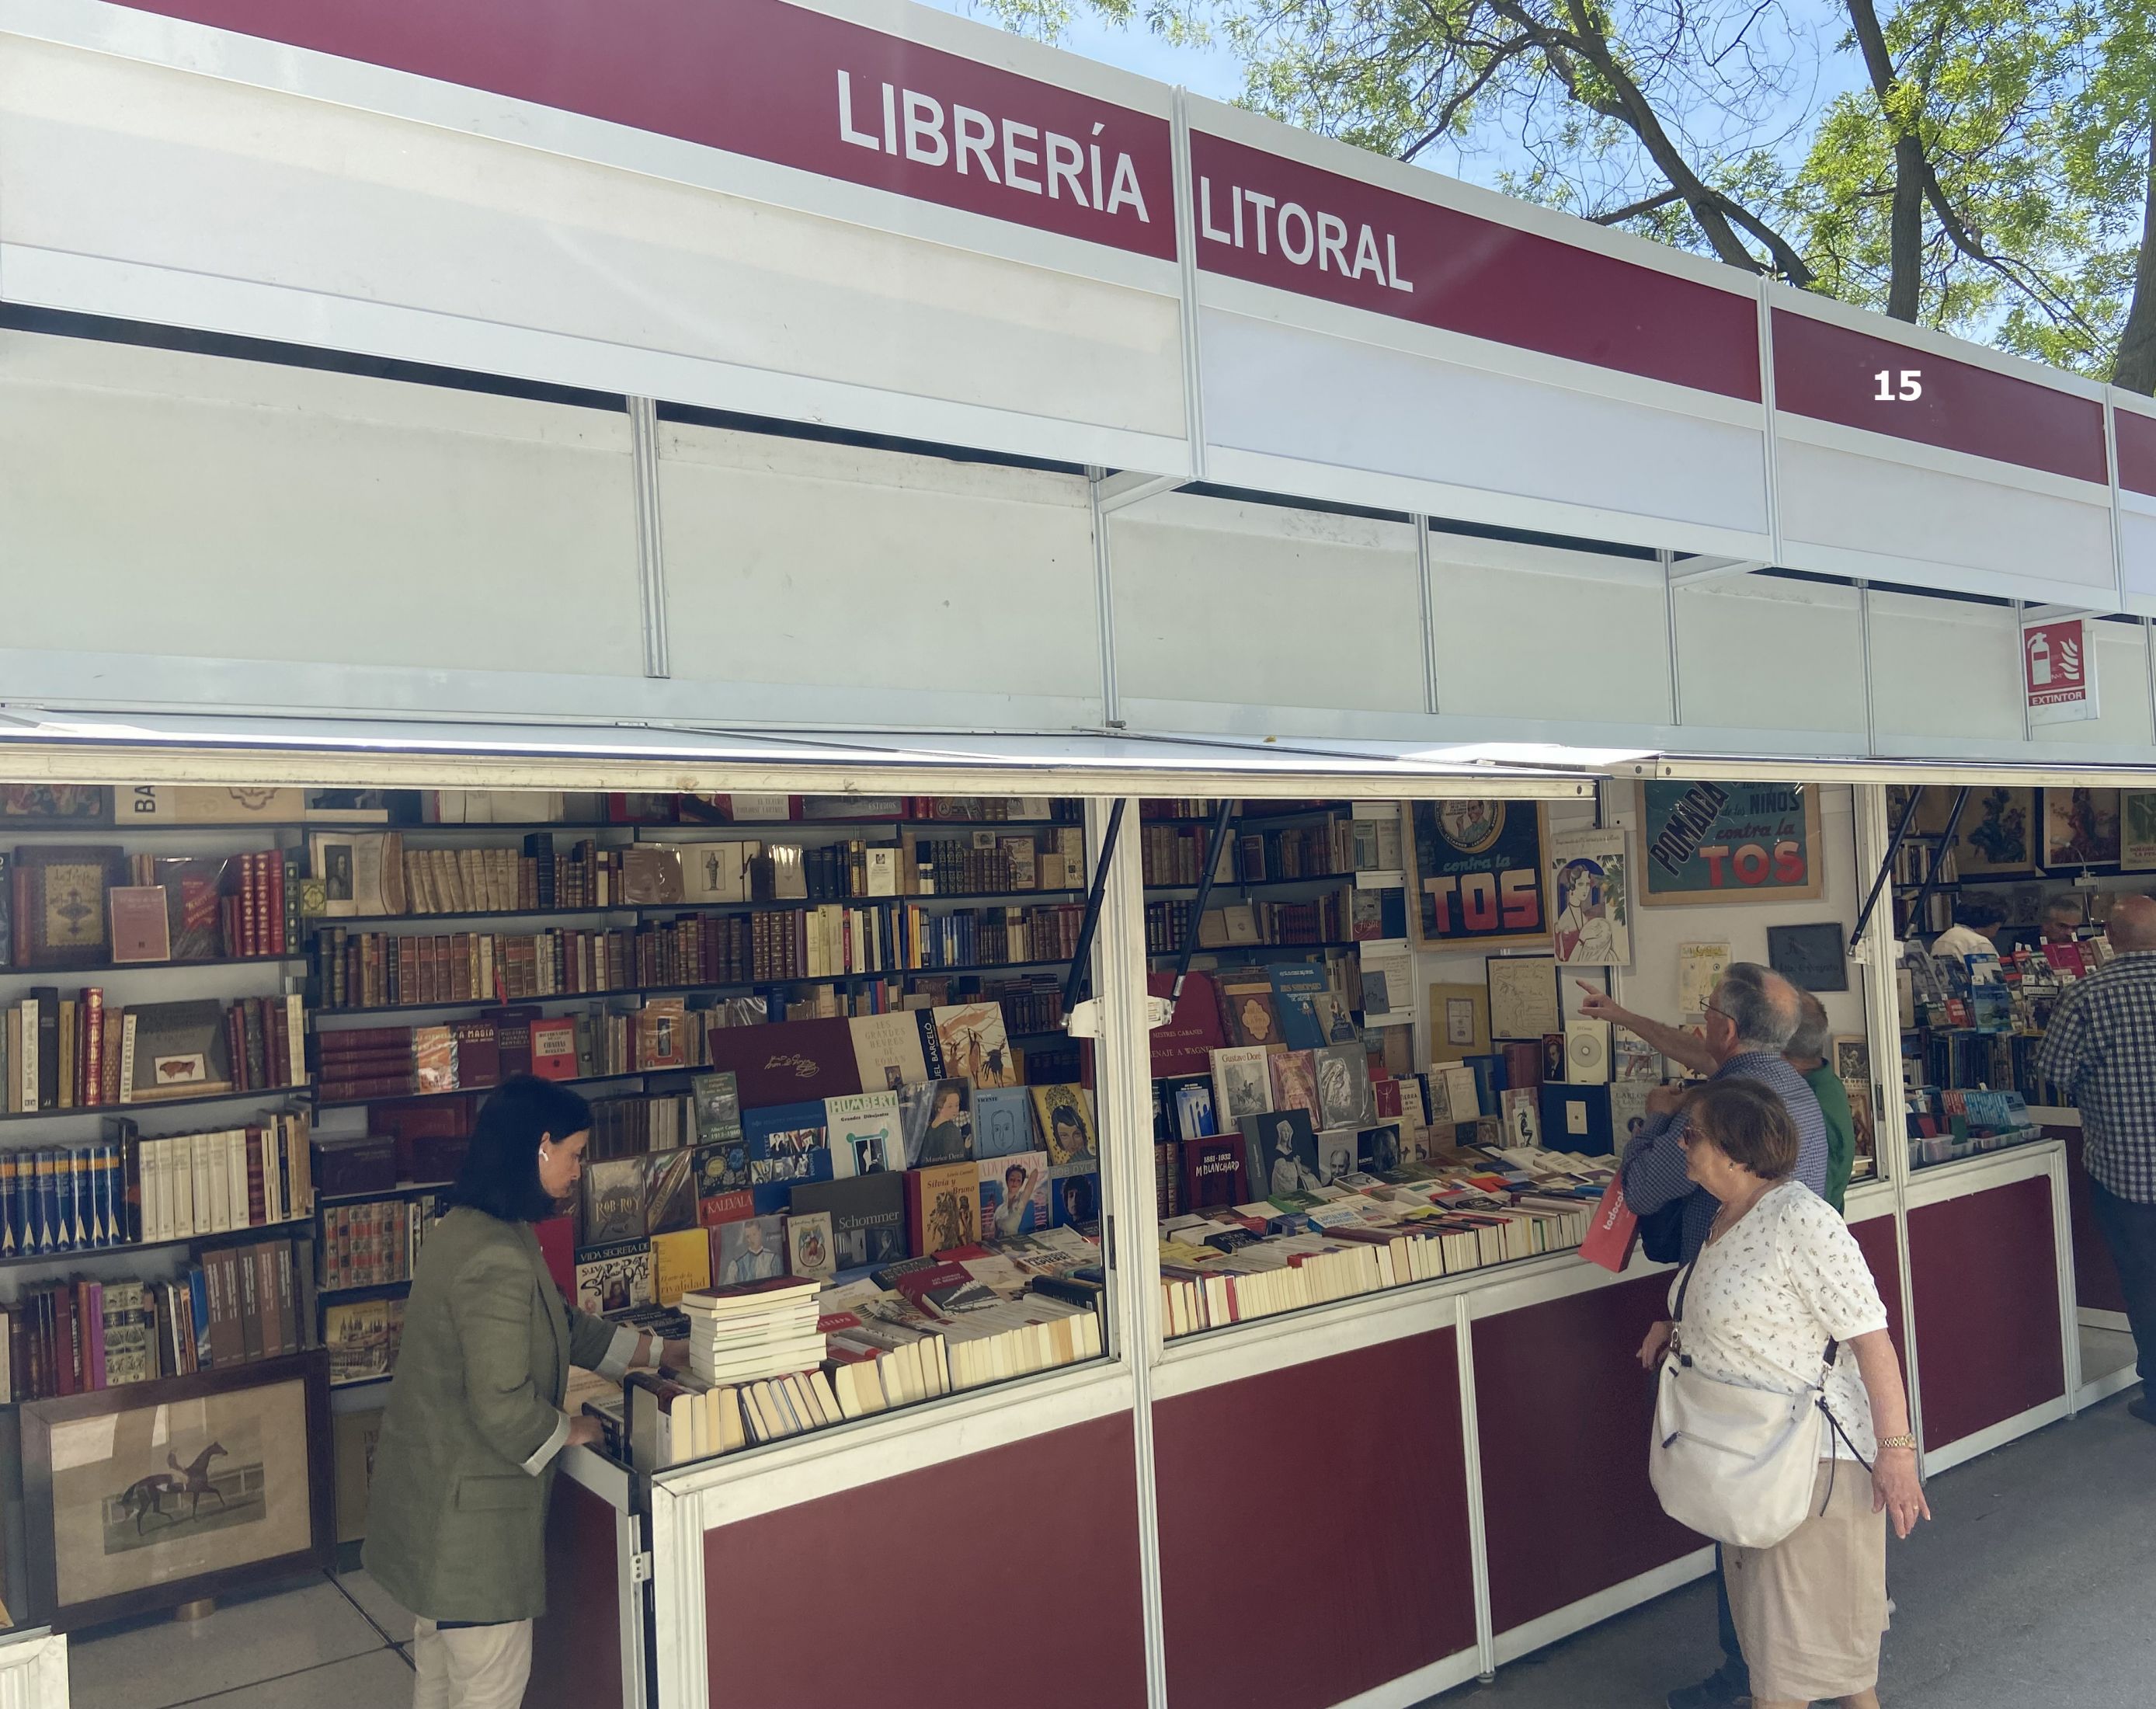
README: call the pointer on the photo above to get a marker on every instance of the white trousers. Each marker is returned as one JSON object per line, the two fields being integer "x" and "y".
{"x": 471, "y": 1667}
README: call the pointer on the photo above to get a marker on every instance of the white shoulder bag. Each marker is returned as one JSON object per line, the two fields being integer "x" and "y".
{"x": 1732, "y": 1462}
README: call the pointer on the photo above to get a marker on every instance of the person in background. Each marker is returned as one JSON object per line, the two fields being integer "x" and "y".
{"x": 1979, "y": 922}
{"x": 1779, "y": 1280}
{"x": 1807, "y": 1055}
{"x": 2062, "y": 919}
{"x": 1751, "y": 1017}
{"x": 463, "y": 1472}
{"x": 2101, "y": 1048}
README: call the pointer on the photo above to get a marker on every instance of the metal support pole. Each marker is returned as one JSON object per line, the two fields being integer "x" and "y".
{"x": 1082, "y": 960}
{"x": 650, "y": 550}
{"x": 1221, "y": 822}
{"x": 1886, "y": 865}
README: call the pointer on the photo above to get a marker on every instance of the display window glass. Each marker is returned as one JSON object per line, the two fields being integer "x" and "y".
{"x": 840, "y": 1144}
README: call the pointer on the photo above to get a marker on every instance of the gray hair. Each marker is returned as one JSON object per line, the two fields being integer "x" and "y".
{"x": 2064, "y": 906}
{"x": 1814, "y": 1030}
{"x": 1760, "y": 1004}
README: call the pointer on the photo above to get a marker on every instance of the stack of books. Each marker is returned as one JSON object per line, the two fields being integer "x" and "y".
{"x": 754, "y": 1330}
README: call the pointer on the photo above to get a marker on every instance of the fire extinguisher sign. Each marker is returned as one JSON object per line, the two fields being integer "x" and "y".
{"x": 2058, "y": 671}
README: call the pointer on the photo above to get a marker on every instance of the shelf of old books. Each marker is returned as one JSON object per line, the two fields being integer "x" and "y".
{"x": 2014, "y": 902}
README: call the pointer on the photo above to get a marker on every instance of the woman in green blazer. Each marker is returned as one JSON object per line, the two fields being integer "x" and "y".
{"x": 457, "y": 1516}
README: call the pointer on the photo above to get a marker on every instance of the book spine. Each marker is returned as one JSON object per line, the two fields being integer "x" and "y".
{"x": 93, "y": 1080}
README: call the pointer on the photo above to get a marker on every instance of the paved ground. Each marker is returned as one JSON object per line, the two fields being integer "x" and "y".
{"x": 2033, "y": 1589}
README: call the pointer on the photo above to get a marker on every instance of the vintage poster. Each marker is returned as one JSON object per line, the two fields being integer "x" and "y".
{"x": 1996, "y": 836}
{"x": 1708, "y": 841}
{"x": 2136, "y": 830}
{"x": 1589, "y": 900}
{"x": 2081, "y": 827}
{"x": 1477, "y": 871}
{"x": 1699, "y": 968}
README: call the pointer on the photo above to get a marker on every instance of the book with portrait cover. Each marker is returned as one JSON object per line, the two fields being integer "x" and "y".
{"x": 614, "y": 1277}
{"x": 1003, "y": 1121}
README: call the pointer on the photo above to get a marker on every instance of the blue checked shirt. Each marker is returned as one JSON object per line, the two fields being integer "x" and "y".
{"x": 1654, "y": 1167}
{"x": 2102, "y": 1048}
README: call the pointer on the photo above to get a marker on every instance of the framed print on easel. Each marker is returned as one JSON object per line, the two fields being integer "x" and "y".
{"x": 1476, "y": 870}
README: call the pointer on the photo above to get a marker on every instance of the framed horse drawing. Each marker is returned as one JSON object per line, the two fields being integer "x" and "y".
{"x": 144, "y": 1496}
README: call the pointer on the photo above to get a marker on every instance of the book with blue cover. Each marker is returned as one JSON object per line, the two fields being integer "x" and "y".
{"x": 1297, "y": 986}
{"x": 786, "y": 1142}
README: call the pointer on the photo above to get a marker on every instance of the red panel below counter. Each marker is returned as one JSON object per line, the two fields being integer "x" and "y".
{"x": 1006, "y": 1575}
{"x": 1984, "y": 1278}
{"x": 1564, "y": 1410}
{"x": 1875, "y": 1238}
{"x": 576, "y": 1649}
{"x": 1313, "y": 1528}
{"x": 2095, "y": 1277}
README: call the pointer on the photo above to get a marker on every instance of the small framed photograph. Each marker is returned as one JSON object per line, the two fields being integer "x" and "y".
{"x": 145, "y": 1496}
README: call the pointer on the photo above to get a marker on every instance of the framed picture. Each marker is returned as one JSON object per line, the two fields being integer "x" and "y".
{"x": 2136, "y": 830}
{"x": 1711, "y": 842}
{"x": 1459, "y": 1021}
{"x": 1590, "y": 899}
{"x": 62, "y": 804}
{"x": 1810, "y": 957}
{"x": 2081, "y": 827}
{"x": 145, "y": 1496}
{"x": 1996, "y": 837}
{"x": 1476, "y": 870}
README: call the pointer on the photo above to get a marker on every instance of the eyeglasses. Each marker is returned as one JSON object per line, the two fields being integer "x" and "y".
{"x": 1710, "y": 1009}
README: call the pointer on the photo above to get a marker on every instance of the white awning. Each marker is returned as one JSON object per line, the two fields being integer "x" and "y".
{"x": 2060, "y": 773}
{"x": 208, "y": 748}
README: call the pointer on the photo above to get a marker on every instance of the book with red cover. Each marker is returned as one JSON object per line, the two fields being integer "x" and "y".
{"x": 1185, "y": 1045}
{"x": 1212, "y": 1172}
{"x": 557, "y": 1246}
{"x": 790, "y": 1062}
{"x": 1613, "y": 1231}
{"x": 1523, "y": 1065}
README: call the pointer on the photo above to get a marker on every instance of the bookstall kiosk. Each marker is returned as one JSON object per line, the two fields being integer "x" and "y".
{"x": 395, "y": 335}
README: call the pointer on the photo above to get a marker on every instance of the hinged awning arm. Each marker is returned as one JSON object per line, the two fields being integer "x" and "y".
{"x": 1894, "y": 847}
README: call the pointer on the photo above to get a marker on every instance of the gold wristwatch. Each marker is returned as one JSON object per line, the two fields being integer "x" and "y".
{"x": 1908, "y": 1442}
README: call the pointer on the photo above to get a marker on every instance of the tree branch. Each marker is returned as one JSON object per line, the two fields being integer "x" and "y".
{"x": 1618, "y": 215}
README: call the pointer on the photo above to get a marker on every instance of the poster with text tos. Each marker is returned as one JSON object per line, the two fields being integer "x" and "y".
{"x": 1729, "y": 843}
{"x": 1478, "y": 874}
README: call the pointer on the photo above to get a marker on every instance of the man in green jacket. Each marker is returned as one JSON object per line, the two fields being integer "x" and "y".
{"x": 1807, "y": 1054}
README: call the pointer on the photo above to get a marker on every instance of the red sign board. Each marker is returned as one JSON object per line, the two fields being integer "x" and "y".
{"x": 1835, "y": 373}
{"x": 2058, "y": 671}
{"x": 778, "y": 82}
{"x": 1276, "y": 221}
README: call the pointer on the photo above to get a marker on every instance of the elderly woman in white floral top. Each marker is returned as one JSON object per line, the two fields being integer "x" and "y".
{"x": 1780, "y": 1276}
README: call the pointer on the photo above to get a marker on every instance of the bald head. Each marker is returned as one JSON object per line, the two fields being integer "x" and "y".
{"x": 2134, "y": 924}
{"x": 1762, "y": 1008}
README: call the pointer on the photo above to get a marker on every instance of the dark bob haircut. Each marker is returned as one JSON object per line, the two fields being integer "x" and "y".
{"x": 500, "y": 1174}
